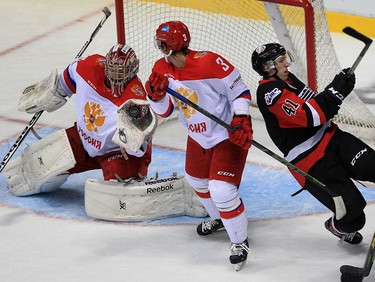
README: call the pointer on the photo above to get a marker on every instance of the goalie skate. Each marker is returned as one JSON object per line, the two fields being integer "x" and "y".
{"x": 210, "y": 226}
{"x": 238, "y": 255}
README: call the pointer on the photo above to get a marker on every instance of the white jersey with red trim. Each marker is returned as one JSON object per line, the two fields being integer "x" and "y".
{"x": 209, "y": 81}
{"x": 96, "y": 107}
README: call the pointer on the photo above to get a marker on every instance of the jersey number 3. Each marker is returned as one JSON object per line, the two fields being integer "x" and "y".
{"x": 222, "y": 64}
{"x": 289, "y": 107}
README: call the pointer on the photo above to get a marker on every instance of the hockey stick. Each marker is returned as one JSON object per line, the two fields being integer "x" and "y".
{"x": 37, "y": 115}
{"x": 338, "y": 201}
{"x": 354, "y": 33}
{"x": 351, "y": 273}
{"x": 107, "y": 13}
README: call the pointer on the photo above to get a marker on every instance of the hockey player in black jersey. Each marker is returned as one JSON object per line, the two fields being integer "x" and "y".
{"x": 298, "y": 121}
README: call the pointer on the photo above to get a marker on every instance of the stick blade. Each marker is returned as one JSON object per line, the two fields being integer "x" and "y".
{"x": 351, "y": 273}
{"x": 106, "y": 12}
{"x": 354, "y": 33}
{"x": 370, "y": 258}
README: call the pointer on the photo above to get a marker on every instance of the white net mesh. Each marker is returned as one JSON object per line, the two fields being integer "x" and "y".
{"x": 234, "y": 28}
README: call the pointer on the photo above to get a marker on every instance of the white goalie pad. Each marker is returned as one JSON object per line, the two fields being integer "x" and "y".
{"x": 136, "y": 124}
{"x": 42, "y": 167}
{"x": 141, "y": 200}
{"x": 42, "y": 96}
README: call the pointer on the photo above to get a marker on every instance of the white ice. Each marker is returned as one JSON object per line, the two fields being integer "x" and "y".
{"x": 40, "y": 248}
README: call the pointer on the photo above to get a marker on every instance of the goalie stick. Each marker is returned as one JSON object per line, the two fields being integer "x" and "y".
{"x": 356, "y": 34}
{"x": 338, "y": 201}
{"x": 37, "y": 115}
{"x": 107, "y": 13}
{"x": 351, "y": 273}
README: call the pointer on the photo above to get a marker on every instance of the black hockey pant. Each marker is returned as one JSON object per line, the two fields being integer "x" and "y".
{"x": 346, "y": 157}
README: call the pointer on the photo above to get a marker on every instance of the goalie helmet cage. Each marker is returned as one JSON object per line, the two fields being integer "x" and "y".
{"x": 234, "y": 28}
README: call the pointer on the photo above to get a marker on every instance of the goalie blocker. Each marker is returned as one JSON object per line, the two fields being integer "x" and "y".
{"x": 141, "y": 200}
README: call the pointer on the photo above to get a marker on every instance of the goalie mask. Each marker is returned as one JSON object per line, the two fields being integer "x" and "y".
{"x": 264, "y": 57}
{"x": 173, "y": 35}
{"x": 121, "y": 66}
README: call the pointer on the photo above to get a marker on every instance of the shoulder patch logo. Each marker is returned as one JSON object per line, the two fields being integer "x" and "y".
{"x": 235, "y": 82}
{"x": 101, "y": 62}
{"x": 137, "y": 90}
{"x": 268, "y": 97}
{"x": 200, "y": 54}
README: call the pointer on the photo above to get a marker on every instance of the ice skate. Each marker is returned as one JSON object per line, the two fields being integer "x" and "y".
{"x": 351, "y": 238}
{"x": 210, "y": 226}
{"x": 238, "y": 255}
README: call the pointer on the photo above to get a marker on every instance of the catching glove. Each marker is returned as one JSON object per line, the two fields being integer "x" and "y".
{"x": 341, "y": 85}
{"x": 156, "y": 85}
{"x": 243, "y": 134}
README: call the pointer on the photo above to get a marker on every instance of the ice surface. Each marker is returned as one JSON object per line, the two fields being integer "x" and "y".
{"x": 49, "y": 237}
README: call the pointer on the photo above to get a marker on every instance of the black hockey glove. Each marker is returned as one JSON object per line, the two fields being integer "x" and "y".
{"x": 341, "y": 85}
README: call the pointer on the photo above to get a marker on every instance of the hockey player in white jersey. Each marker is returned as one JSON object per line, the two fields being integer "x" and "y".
{"x": 215, "y": 158}
{"x": 113, "y": 130}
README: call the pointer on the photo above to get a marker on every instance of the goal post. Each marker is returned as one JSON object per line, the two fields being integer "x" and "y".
{"x": 120, "y": 22}
{"x": 280, "y": 26}
{"x": 234, "y": 28}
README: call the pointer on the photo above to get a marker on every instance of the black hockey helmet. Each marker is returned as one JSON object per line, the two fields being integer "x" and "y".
{"x": 265, "y": 55}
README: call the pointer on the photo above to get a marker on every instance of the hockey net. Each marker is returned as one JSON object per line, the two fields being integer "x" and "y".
{"x": 234, "y": 28}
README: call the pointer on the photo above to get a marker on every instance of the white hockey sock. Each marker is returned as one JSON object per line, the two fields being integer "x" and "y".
{"x": 236, "y": 227}
{"x": 210, "y": 207}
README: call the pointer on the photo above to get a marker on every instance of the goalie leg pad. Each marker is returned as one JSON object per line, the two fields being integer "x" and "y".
{"x": 42, "y": 167}
{"x": 193, "y": 206}
{"x": 140, "y": 200}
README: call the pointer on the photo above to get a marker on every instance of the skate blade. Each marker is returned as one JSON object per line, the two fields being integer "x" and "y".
{"x": 239, "y": 266}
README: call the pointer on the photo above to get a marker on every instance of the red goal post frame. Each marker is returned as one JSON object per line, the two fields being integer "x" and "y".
{"x": 309, "y": 32}
{"x": 310, "y": 38}
{"x": 120, "y": 21}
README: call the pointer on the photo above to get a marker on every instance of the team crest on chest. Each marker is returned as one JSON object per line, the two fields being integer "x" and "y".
{"x": 93, "y": 116}
{"x": 269, "y": 96}
{"x": 192, "y": 96}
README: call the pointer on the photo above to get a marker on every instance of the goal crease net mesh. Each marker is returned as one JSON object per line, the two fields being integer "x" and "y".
{"x": 234, "y": 28}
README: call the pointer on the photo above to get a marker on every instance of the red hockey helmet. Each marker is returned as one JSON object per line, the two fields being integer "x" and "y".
{"x": 121, "y": 66}
{"x": 173, "y": 34}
